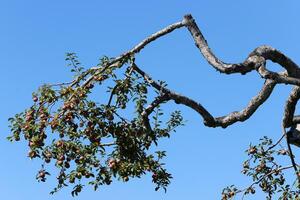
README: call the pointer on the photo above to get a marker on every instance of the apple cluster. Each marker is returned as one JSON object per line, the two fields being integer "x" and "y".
{"x": 266, "y": 173}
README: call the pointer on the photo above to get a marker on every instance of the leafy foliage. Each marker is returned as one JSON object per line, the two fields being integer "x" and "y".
{"x": 96, "y": 141}
{"x": 266, "y": 173}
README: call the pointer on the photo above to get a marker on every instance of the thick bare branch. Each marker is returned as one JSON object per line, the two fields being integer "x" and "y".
{"x": 255, "y": 102}
{"x": 266, "y": 52}
{"x": 202, "y": 45}
{"x": 180, "y": 99}
{"x": 270, "y": 53}
{"x": 281, "y": 77}
{"x": 209, "y": 120}
{"x": 290, "y": 107}
{"x": 296, "y": 119}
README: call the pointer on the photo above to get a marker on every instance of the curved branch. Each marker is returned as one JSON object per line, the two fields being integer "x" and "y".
{"x": 117, "y": 62}
{"x": 254, "y": 103}
{"x": 266, "y": 52}
{"x": 156, "y": 35}
{"x": 233, "y": 117}
{"x": 278, "y": 77}
{"x": 270, "y": 53}
{"x": 150, "y": 108}
{"x": 180, "y": 99}
{"x": 209, "y": 120}
{"x": 202, "y": 45}
{"x": 157, "y": 101}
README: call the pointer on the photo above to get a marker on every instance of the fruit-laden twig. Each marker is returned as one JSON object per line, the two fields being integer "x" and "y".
{"x": 262, "y": 178}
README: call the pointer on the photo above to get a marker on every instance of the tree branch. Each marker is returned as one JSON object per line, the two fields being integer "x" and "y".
{"x": 209, "y": 120}
{"x": 281, "y": 77}
{"x": 266, "y": 52}
{"x": 150, "y": 108}
{"x": 157, "y": 101}
{"x": 292, "y": 157}
{"x": 254, "y": 103}
{"x": 290, "y": 107}
{"x": 255, "y": 61}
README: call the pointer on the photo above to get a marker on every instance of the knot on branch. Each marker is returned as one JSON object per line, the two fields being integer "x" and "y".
{"x": 188, "y": 19}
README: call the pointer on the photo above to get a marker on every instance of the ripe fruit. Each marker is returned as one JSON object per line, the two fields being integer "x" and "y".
{"x": 35, "y": 98}
{"x": 112, "y": 163}
{"x": 48, "y": 154}
{"x": 231, "y": 194}
{"x": 32, "y": 154}
{"x": 42, "y": 174}
{"x": 59, "y": 143}
{"x": 26, "y": 127}
{"x": 59, "y": 162}
{"x": 154, "y": 176}
{"x": 17, "y": 138}
{"x": 81, "y": 158}
{"x": 282, "y": 152}
{"x": 78, "y": 175}
{"x": 43, "y": 116}
{"x": 252, "y": 150}
{"x": 72, "y": 179}
{"x": 90, "y": 86}
{"x": 31, "y": 144}
{"x": 78, "y": 189}
{"x": 61, "y": 157}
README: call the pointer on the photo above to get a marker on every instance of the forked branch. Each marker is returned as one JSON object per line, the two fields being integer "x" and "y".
{"x": 255, "y": 61}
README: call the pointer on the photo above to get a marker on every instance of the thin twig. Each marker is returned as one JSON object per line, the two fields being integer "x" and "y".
{"x": 262, "y": 178}
{"x": 291, "y": 154}
{"x": 278, "y": 141}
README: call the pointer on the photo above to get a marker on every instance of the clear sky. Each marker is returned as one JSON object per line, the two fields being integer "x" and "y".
{"x": 35, "y": 35}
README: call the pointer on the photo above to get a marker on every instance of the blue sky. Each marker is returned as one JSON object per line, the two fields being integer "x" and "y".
{"x": 35, "y": 35}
